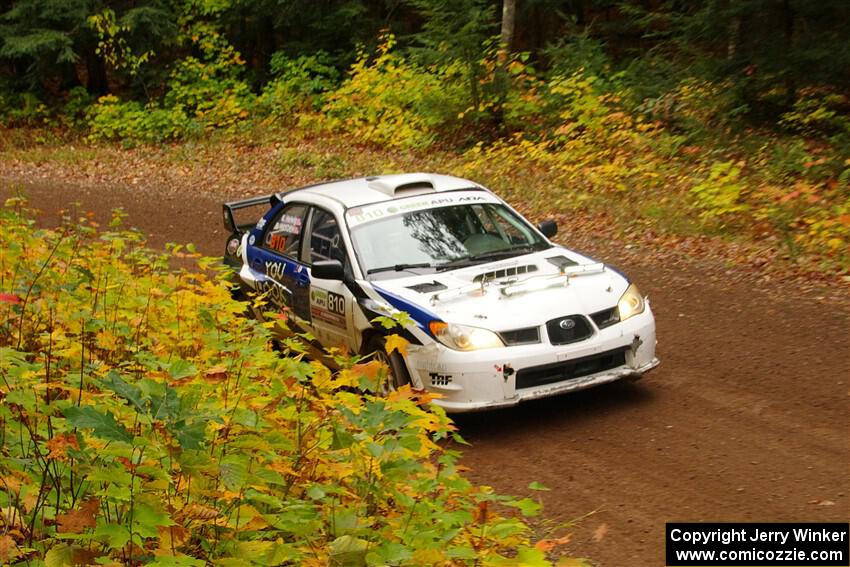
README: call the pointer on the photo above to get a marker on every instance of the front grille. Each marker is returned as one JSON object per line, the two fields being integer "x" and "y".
{"x": 570, "y": 369}
{"x": 570, "y": 329}
{"x": 606, "y": 317}
{"x": 527, "y": 336}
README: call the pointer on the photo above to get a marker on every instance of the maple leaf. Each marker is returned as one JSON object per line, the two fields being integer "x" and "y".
{"x": 550, "y": 544}
{"x": 9, "y": 298}
{"x": 106, "y": 340}
{"x": 75, "y": 521}
{"x": 172, "y": 537}
{"x": 197, "y": 512}
{"x": 58, "y": 446}
{"x": 396, "y": 342}
{"x": 215, "y": 373}
{"x": 8, "y": 549}
{"x": 402, "y": 393}
{"x": 369, "y": 369}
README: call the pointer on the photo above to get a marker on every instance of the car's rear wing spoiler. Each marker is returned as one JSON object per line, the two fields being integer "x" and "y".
{"x": 229, "y": 210}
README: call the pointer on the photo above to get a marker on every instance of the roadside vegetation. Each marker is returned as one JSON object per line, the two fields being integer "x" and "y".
{"x": 670, "y": 121}
{"x": 145, "y": 419}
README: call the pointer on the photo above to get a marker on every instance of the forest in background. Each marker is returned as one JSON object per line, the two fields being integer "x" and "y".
{"x": 710, "y": 117}
{"x": 144, "y": 420}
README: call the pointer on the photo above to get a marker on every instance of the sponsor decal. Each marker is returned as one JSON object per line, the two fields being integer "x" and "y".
{"x": 251, "y": 240}
{"x": 276, "y": 292}
{"x": 438, "y": 379}
{"x": 359, "y": 215}
{"x": 290, "y": 224}
{"x": 261, "y": 223}
{"x": 327, "y": 306}
{"x": 277, "y": 241}
{"x": 275, "y": 270}
{"x": 288, "y": 227}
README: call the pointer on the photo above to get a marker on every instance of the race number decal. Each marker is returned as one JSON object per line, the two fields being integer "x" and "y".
{"x": 327, "y": 306}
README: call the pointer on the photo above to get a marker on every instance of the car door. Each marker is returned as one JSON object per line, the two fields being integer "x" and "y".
{"x": 278, "y": 257}
{"x": 331, "y": 302}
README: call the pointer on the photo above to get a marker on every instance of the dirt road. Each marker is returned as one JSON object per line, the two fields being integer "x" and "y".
{"x": 745, "y": 420}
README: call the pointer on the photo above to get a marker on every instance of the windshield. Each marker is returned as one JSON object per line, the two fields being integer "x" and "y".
{"x": 442, "y": 238}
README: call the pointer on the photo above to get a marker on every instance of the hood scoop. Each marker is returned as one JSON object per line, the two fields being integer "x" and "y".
{"x": 506, "y": 273}
{"x": 561, "y": 262}
{"x": 428, "y": 287}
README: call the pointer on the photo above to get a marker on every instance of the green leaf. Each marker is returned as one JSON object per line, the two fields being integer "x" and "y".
{"x": 115, "y": 535}
{"x": 146, "y": 519}
{"x": 348, "y": 551}
{"x": 532, "y": 557}
{"x": 23, "y": 398}
{"x": 341, "y": 439}
{"x": 527, "y": 506}
{"x": 127, "y": 391}
{"x": 507, "y": 528}
{"x": 182, "y": 369}
{"x": 59, "y": 556}
{"x": 177, "y": 561}
{"x": 166, "y": 407}
{"x": 389, "y": 553}
{"x": 375, "y": 449}
{"x": 537, "y": 486}
{"x": 315, "y": 492}
{"x": 190, "y": 436}
{"x": 103, "y": 426}
{"x": 234, "y": 471}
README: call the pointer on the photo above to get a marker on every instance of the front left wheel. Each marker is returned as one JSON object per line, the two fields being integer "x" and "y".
{"x": 397, "y": 376}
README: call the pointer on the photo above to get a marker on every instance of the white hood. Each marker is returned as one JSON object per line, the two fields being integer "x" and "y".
{"x": 502, "y": 303}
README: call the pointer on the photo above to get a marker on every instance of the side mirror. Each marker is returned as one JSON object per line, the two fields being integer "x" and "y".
{"x": 327, "y": 270}
{"x": 549, "y": 228}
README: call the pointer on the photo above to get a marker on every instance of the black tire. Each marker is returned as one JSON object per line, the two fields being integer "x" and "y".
{"x": 398, "y": 375}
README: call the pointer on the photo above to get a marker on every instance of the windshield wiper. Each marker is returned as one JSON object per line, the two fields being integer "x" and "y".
{"x": 517, "y": 249}
{"x": 399, "y": 267}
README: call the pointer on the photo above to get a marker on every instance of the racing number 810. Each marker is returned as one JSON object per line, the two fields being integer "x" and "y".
{"x": 336, "y": 303}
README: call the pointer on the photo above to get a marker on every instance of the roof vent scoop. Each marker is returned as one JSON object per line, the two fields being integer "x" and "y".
{"x": 402, "y": 185}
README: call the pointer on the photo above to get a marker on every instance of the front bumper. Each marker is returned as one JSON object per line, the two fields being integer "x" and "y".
{"x": 487, "y": 379}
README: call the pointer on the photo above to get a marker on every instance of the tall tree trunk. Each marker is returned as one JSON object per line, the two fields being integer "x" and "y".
{"x": 97, "y": 82}
{"x": 734, "y": 34}
{"x": 790, "y": 80}
{"x": 508, "y": 24}
{"x": 506, "y": 39}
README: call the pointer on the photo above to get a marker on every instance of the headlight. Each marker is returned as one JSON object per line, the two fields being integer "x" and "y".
{"x": 233, "y": 246}
{"x": 462, "y": 337}
{"x": 631, "y": 303}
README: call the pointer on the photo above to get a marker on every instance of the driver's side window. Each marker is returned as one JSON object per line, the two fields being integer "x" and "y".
{"x": 284, "y": 236}
{"x": 325, "y": 238}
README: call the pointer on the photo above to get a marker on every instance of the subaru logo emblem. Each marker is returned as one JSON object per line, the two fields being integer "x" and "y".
{"x": 567, "y": 324}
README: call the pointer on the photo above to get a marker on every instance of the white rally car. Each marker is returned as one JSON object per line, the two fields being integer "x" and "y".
{"x": 500, "y": 314}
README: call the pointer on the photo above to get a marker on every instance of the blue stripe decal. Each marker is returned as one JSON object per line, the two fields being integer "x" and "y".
{"x": 419, "y": 314}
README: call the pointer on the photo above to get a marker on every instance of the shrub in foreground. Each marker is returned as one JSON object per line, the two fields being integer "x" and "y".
{"x": 145, "y": 420}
